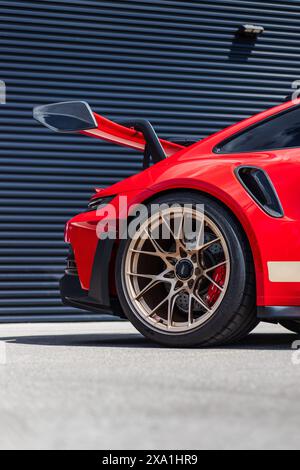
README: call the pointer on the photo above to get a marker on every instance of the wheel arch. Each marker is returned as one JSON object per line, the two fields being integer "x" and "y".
{"x": 235, "y": 211}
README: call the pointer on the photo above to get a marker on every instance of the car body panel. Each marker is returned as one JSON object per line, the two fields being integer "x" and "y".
{"x": 200, "y": 168}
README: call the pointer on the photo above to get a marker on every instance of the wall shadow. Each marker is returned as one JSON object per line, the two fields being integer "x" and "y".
{"x": 241, "y": 48}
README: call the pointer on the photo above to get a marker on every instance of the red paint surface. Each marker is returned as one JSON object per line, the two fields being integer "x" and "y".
{"x": 199, "y": 168}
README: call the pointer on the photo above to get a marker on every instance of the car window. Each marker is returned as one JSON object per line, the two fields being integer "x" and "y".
{"x": 282, "y": 131}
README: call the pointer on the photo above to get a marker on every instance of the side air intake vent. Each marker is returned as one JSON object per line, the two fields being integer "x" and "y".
{"x": 258, "y": 184}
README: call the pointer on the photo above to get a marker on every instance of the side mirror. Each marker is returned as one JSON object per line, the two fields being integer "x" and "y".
{"x": 68, "y": 116}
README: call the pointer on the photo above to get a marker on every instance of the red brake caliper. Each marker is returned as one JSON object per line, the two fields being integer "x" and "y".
{"x": 213, "y": 292}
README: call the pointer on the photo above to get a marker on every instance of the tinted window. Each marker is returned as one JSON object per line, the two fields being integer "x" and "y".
{"x": 277, "y": 133}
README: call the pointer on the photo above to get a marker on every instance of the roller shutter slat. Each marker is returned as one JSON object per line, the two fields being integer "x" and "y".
{"x": 173, "y": 62}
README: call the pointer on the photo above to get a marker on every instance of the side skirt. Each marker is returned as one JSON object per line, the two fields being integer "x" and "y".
{"x": 275, "y": 314}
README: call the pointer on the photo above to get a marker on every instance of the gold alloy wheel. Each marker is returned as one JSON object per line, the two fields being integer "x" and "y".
{"x": 168, "y": 280}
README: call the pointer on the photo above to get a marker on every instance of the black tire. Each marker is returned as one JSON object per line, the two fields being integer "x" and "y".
{"x": 236, "y": 316}
{"x": 291, "y": 325}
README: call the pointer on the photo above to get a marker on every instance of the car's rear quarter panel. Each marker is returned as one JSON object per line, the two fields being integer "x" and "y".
{"x": 270, "y": 239}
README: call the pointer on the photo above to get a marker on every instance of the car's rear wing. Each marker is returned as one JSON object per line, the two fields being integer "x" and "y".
{"x": 77, "y": 116}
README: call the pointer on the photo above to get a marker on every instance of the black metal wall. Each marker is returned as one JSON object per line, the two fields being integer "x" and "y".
{"x": 177, "y": 63}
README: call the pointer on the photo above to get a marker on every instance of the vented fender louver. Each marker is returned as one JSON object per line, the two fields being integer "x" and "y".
{"x": 259, "y": 186}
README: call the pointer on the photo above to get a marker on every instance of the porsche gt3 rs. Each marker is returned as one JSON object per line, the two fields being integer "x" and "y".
{"x": 242, "y": 264}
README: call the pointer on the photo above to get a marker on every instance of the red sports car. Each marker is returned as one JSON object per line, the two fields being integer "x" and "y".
{"x": 239, "y": 260}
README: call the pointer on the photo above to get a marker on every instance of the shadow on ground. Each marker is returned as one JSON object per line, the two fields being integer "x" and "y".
{"x": 255, "y": 341}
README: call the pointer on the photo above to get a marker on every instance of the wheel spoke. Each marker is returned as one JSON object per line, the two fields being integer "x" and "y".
{"x": 164, "y": 256}
{"x": 171, "y": 303}
{"x": 150, "y": 253}
{"x": 177, "y": 237}
{"x": 180, "y": 235}
{"x": 216, "y": 266}
{"x": 159, "y": 305}
{"x": 156, "y": 245}
{"x": 162, "y": 276}
{"x": 154, "y": 280}
{"x": 213, "y": 282}
{"x": 166, "y": 222}
{"x": 146, "y": 289}
{"x": 145, "y": 276}
{"x": 208, "y": 244}
{"x": 201, "y": 302}
{"x": 198, "y": 244}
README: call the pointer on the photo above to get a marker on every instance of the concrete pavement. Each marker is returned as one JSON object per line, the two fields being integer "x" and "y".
{"x": 103, "y": 386}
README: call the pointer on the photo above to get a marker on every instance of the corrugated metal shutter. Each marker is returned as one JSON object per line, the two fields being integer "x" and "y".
{"x": 175, "y": 62}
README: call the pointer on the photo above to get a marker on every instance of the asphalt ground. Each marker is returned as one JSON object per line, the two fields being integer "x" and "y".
{"x": 103, "y": 386}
